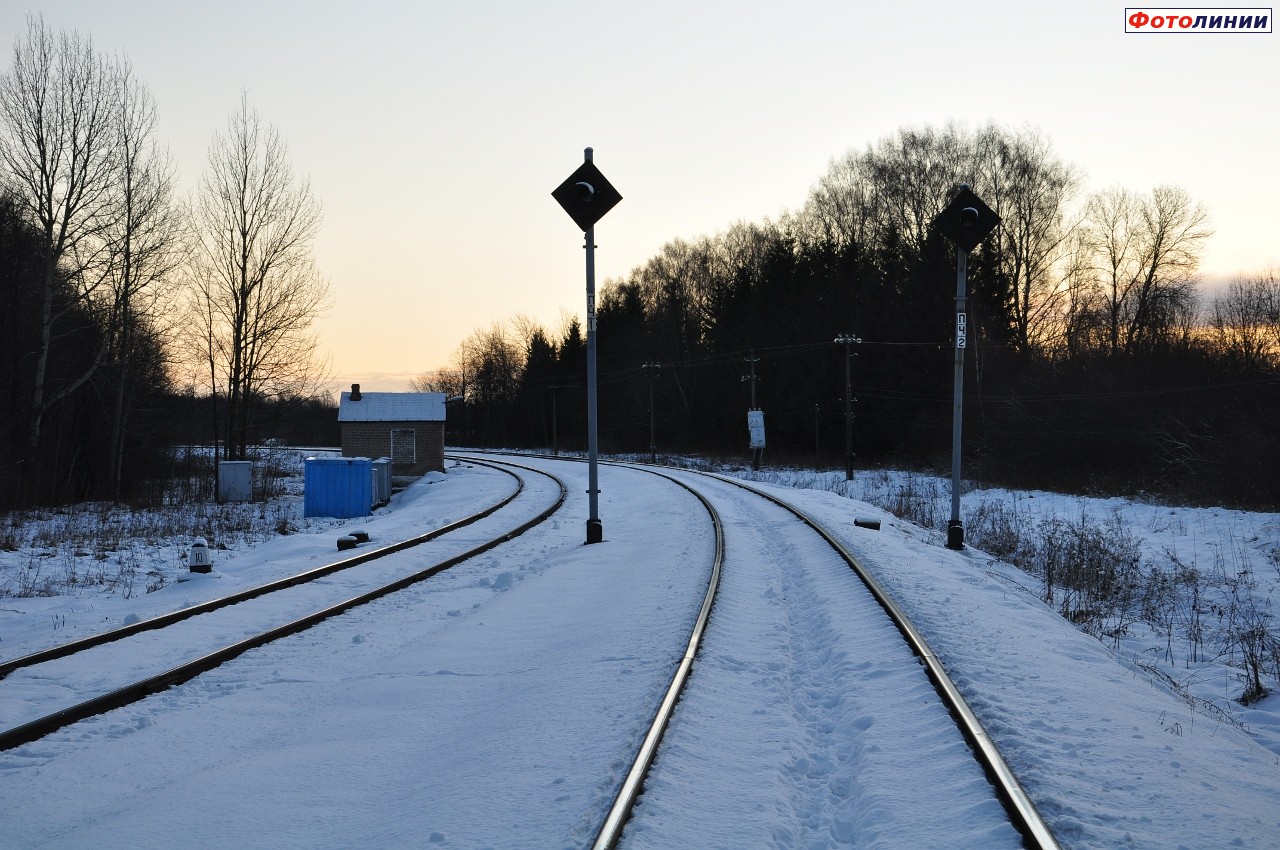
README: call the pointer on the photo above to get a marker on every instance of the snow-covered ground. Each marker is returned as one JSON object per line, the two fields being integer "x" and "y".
{"x": 1197, "y": 578}
{"x": 440, "y": 717}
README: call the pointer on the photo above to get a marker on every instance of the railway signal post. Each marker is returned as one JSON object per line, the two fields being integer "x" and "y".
{"x": 966, "y": 221}
{"x": 586, "y": 196}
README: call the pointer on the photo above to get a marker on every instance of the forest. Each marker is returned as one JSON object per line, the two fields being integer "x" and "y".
{"x": 121, "y": 301}
{"x": 1096, "y": 358}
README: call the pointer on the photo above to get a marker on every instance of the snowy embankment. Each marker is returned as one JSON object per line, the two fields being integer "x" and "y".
{"x": 1191, "y": 597}
{"x": 493, "y": 708}
{"x": 1111, "y": 756}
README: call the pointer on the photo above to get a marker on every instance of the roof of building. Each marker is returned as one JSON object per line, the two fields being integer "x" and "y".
{"x": 392, "y": 407}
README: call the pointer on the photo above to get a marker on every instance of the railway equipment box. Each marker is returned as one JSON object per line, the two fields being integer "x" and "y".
{"x": 235, "y": 481}
{"x": 339, "y": 487}
{"x": 381, "y": 481}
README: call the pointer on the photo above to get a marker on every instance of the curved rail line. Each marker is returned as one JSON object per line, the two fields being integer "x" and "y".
{"x": 128, "y": 694}
{"x": 1022, "y": 812}
{"x": 72, "y": 647}
{"x": 624, "y": 803}
{"x": 1009, "y": 791}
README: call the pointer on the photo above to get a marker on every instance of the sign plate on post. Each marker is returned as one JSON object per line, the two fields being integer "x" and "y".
{"x": 967, "y": 220}
{"x": 962, "y": 329}
{"x": 755, "y": 428}
{"x": 586, "y": 195}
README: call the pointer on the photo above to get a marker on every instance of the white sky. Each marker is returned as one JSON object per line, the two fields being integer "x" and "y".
{"x": 434, "y": 132}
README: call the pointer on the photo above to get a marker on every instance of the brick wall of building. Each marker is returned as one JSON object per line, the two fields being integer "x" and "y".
{"x": 373, "y": 440}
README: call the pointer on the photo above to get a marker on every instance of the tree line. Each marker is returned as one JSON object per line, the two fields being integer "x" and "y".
{"x": 1098, "y": 360}
{"x": 113, "y": 286}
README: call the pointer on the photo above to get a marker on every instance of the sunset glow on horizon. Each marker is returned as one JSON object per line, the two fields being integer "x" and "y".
{"x": 434, "y": 133}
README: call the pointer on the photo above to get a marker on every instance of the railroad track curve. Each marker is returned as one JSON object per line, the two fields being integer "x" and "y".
{"x": 1029, "y": 826}
{"x": 142, "y": 637}
{"x": 1022, "y": 813}
{"x": 595, "y": 719}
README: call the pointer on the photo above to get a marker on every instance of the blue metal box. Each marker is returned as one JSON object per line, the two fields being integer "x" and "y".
{"x": 339, "y": 487}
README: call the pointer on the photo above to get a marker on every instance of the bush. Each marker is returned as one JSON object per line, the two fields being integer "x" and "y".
{"x": 996, "y": 527}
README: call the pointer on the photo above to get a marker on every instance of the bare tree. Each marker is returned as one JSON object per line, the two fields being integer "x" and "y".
{"x": 1080, "y": 318}
{"x": 840, "y": 210}
{"x": 144, "y": 240}
{"x": 59, "y": 139}
{"x": 893, "y": 190}
{"x": 451, "y": 382}
{"x": 494, "y": 359}
{"x": 896, "y": 186}
{"x": 487, "y": 368}
{"x": 1028, "y": 187}
{"x": 915, "y": 175}
{"x": 1147, "y": 250}
{"x": 1245, "y": 318}
{"x": 256, "y": 290}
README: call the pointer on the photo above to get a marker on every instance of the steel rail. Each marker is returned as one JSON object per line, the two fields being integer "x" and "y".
{"x": 629, "y": 792}
{"x": 41, "y": 727}
{"x": 1013, "y": 798}
{"x": 1009, "y": 791}
{"x": 623, "y": 804}
{"x": 75, "y": 646}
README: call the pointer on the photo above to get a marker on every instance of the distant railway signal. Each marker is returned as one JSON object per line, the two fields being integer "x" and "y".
{"x": 966, "y": 221}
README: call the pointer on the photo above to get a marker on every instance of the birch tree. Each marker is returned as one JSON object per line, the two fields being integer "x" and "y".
{"x": 256, "y": 290}
{"x": 59, "y": 139}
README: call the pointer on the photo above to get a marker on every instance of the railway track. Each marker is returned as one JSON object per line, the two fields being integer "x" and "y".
{"x": 195, "y": 630}
{"x": 1021, "y": 812}
{"x": 627, "y": 806}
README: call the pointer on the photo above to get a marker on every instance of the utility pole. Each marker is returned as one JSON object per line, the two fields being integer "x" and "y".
{"x": 817, "y": 453}
{"x": 555, "y": 447}
{"x": 651, "y": 369}
{"x": 848, "y": 340}
{"x": 751, "y": 361}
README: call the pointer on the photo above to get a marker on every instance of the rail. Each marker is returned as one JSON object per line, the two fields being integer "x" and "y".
{"x": 139, "y": 690}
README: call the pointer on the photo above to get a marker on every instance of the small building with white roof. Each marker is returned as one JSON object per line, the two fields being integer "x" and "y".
{"x": 408, "y": 428}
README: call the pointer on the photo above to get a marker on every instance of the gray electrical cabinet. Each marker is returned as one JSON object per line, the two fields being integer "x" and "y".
{"x": 235, "y": 481}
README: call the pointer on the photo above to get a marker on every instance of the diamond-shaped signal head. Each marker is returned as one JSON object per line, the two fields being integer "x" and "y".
{"x": 967, "y": 220}
{"x": 586, "y": 195}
